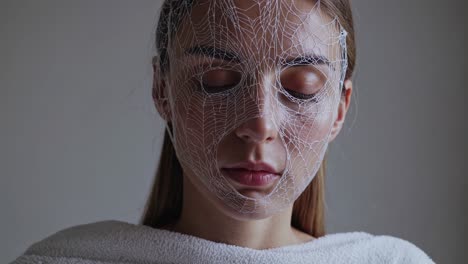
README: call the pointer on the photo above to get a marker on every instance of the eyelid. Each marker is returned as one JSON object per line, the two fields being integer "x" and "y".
{"x": 292, "y": 80}
{"x": 233, "y": 77}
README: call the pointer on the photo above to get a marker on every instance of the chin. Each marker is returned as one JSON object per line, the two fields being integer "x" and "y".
{"x": 245, "y": 216}
{"x": 251, "y": 204}
{"x": 249, "y": 213}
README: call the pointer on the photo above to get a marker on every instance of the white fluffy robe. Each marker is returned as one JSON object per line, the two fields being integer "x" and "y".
{"x": 121, "y": 242}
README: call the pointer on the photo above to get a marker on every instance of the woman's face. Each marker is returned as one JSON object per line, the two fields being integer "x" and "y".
{"x": 253, "y": 89}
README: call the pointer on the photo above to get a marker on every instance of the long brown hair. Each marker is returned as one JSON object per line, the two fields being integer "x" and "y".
{"x": 164, "y": 203}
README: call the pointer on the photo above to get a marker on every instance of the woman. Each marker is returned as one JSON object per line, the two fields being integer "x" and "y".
{"x": 252, "y": 92}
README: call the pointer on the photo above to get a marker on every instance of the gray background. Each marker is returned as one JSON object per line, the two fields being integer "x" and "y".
{"x": 79, "y": 138}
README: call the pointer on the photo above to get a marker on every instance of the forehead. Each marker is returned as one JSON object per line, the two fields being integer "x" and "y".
{"x": 259, "y": 28}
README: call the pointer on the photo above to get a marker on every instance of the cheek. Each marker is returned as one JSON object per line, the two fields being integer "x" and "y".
{"x": 311, "y": 125}
{"x": 306, "y": 139}
{"x": 199, "y": 125}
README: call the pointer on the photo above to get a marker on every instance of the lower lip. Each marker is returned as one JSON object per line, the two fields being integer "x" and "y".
{"x": 251, "y": 178}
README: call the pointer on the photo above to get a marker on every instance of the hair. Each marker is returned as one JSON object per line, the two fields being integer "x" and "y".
{"x": 164, "y": 203}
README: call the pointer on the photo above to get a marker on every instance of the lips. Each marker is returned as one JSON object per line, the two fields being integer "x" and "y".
{"x": 251, "y": 173}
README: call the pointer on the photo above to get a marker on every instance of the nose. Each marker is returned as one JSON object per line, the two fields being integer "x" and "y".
{"x": 260, "y": 128}
{"x": 257, "y": 130}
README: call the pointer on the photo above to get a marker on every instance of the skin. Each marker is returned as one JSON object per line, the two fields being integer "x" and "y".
{"x": 205, "y": 217}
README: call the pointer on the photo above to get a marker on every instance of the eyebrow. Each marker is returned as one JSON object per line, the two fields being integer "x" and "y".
{"x": 310, "y": 59}
{"x": 213, "y": 52}
{"x": 217, "y": 53}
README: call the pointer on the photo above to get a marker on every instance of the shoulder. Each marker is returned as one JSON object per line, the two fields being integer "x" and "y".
{"x": 403, "y": 250}
{"x": 81, "y": 242}
{"x": 83, "y": 234}
{"x": 362, "y": 247}
{"x": 396, "y": 250}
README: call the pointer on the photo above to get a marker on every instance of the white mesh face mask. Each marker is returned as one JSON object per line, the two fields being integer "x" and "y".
{"x": 253, "y": 89}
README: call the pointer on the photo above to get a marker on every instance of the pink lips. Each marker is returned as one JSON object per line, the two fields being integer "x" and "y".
{"x": 251, "y": 174}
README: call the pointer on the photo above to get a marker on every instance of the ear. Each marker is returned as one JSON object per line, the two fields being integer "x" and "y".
{"x": 159, "y": 91}
{"x": 342, "y": 109}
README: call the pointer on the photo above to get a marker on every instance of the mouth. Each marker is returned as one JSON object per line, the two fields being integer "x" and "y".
{"x": 251, "y": 174}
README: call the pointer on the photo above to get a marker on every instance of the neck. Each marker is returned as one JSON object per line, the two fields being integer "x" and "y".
{"x": 201, "y": 218}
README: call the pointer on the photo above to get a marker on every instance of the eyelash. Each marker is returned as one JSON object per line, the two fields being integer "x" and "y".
{"x": 302, "y": 96}
{"x": 224, "y": 88}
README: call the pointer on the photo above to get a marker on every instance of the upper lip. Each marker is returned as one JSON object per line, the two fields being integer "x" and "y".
{"x": 253, "y": 166}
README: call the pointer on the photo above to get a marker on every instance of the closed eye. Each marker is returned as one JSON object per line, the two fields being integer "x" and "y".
{"x": 303, "y": 81}
{"x": 220, "y": 80}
